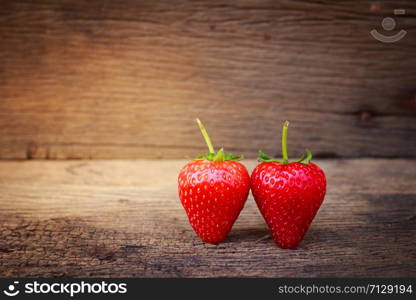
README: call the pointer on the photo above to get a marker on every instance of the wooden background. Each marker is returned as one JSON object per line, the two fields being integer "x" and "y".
{"x": 125, "y": 79}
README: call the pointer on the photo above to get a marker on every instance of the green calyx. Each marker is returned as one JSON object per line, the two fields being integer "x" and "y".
{"x": 219, "y": 156}
{"x": 305, "y": 159}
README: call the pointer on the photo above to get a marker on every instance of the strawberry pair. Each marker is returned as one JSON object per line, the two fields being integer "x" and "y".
{"x": 214, "y": 187}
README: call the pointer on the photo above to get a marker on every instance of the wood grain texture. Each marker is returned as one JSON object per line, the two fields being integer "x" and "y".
{"x": 125, "y": 79}
{"x": 124, "y": 218}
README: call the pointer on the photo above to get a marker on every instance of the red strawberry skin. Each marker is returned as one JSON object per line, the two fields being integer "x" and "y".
{"x": 213, "y": 195}
{"x": 288, "y": 196}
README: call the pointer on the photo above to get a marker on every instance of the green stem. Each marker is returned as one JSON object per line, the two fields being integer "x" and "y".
{"x": 284, "y": 142}
{"x": 219, "y": 157}
{"x": 206, "y": 136}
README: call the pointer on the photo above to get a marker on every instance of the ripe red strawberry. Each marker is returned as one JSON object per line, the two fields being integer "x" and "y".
{"x": 288, "y": 194}
{"x": 213, "y": 189}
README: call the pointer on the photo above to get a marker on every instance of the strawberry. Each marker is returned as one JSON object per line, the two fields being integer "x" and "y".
{"x": 288, "y": 194}
{"x": 213, "y": 189}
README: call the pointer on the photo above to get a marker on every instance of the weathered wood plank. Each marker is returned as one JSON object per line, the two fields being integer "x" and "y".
{"x": 123, "y": 218}
{"x": 111, "y": 79}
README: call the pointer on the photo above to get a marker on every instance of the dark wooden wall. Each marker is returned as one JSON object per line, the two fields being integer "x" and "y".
{"x": 125, "y": 79}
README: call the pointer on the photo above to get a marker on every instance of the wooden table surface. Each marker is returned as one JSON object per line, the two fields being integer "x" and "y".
{"x": 124, "y": 218}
